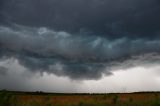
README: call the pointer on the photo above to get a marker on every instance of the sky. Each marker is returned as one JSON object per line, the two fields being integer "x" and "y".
{"x": 80, "y": 46}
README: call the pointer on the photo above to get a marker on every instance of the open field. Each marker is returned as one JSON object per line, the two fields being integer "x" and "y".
{"x": 8, "y": 98}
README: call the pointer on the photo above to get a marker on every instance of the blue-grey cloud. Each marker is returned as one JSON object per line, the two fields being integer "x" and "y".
{"x": 78, "y": 38}
{"x": 109, "y": 18}
{"x": 75, "y": 56}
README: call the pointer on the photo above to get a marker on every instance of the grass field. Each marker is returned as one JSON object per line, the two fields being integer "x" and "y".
{"x": 10, "y": 98}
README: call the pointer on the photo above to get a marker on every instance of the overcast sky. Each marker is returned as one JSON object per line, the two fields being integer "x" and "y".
{"x": 80, "y": 45}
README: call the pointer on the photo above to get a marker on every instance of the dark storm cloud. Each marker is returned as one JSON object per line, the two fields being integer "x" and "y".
{"x": 110, "y": 18}
{"x": 81, "y": 39}
{"x": 75, "y": 56}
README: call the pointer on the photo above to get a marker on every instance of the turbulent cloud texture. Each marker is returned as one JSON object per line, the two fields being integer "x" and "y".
{"x": 78, "y": 38}
{"x": 76, "y": 56}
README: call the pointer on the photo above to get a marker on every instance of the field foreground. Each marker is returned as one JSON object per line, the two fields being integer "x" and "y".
{"x": 10, "y": 98}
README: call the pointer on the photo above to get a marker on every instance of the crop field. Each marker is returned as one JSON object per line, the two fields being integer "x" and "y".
{"x": 9, "y": 98}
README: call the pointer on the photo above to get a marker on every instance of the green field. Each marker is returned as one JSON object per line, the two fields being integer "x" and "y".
{"x": 10, "y": 98}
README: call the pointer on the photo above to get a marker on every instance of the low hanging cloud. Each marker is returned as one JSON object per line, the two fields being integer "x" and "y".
{"x": 76, "y": 56}
{"x": 78, "y": 38}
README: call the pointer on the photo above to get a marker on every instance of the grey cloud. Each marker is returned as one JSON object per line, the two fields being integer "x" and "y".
{"x": 49, "y": 43}
{"x": 109, "y": 18}
{"x": 147, "y": 79}
{"x": 75, "y": 56}
{"x": 145, "y": 60}
{"x": 3, "y": 70}
{"x": 63, "y": 67}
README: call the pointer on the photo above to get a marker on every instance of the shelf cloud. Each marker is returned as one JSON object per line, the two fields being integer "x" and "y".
{"x": 77, "y": 38}
{"x": 75, "y": 56}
